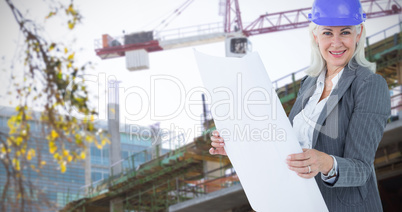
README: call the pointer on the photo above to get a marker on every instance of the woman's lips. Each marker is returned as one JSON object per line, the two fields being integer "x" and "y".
{"x": 337, "y": 53}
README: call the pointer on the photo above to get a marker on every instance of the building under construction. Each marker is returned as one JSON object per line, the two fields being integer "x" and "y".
{"x": 188, "y": 178}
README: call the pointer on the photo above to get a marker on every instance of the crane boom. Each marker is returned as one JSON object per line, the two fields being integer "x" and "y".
{"x": 283, "y": 20}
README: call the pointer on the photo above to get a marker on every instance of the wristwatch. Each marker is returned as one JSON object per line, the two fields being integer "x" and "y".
{"x": 332, "y": 172}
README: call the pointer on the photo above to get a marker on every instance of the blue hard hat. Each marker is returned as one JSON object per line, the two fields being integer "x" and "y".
{"x": 337, "y": 12}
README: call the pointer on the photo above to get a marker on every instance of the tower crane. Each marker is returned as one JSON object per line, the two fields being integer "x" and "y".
{"x": 136, "y": 46}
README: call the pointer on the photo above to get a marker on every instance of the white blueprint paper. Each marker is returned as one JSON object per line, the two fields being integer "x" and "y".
{"x": 258, "y": 135}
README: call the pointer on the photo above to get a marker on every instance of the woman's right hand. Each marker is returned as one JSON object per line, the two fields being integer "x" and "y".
{"x": 217, "y": 144}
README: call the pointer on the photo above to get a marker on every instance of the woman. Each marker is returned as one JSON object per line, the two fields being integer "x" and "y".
{"x": 341, "y": 110}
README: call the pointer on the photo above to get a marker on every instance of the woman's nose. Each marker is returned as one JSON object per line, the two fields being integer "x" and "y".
{"x": 336, "y": 41}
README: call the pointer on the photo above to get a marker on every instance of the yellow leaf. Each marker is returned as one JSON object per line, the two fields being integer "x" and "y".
{"x": 83, "y": 155}
{"x": 78, "y": 141}
{"x": 104, "y": 141}
{"x": 69, "y": 65}
{"x": 52, "y": 147}
{"x": 89, "y": 138}
{"x": 65, "y": 152}
{"x": 92, "y": 118}
{"x": 56, "y": 156}
{"x": 10, "y": 140}
{"x": 54, "y": 134}
{"x": 16, "y": 163}
{"x": 69, "y": 158}
{"x": 70, "y": 57}
{"x": 10, "y": 124}
{"x": 31, "y": 153}
{"x": 51, "y": 47}
{"x": 42, "y": 163}
{"x": 63, "y": 167}
{"x": 90, "y": 126}
{"x": 71, "y": 25}
{"x": 65, "y": 50}
{"x": 70, "y": 8}
{"x": 99, "y": 146}
{"x": 13, "y": 131}
{"x": 18, "y": 141}
{"x": 50, "y": 15}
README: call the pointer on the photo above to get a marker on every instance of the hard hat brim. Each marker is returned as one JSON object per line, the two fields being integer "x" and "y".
{"x": 337, "y": 22}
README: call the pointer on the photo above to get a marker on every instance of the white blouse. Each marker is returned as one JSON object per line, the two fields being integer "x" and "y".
{"x": 305, "y": 121}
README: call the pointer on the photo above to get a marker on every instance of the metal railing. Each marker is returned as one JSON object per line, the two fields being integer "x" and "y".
{"x": 185, "y": 32}
{"x": 381, "y": 35}
{"x": 396, "y": 104}
{"x": 290, "y": 78}
{"x": 378, "y": 43}
{"x": 132, "y": 163}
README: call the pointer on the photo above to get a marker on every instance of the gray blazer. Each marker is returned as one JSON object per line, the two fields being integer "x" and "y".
{"x": 350, "y": 128}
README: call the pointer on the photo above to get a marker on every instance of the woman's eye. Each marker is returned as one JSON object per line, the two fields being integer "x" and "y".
{"x": 345, "y": 33}
{"x": 327, "y": 33}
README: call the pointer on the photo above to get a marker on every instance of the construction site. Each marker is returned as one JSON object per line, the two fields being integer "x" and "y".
{"x": 187, "y": 177}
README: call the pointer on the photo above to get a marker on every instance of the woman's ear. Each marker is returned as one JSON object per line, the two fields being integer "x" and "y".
{"x": 315, "y": 38}
{"x": 360, "y": 33}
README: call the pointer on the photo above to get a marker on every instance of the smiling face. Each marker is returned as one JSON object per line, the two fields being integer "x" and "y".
{"x": 337, "y": 44}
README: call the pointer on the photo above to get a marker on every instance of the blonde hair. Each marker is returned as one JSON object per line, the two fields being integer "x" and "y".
{"x": 318, "y": 63}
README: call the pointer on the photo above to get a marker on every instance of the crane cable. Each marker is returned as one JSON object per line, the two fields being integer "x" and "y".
{"x": 164, "y": 23}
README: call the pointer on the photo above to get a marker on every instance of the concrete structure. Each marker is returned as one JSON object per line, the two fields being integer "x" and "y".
{"x": 222, "y": 200}
{"x": 114, "y": 128}
{"x": 115, "y": 148}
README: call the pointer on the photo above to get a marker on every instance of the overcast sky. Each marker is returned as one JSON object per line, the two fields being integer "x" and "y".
{"x": 282, "y": 52}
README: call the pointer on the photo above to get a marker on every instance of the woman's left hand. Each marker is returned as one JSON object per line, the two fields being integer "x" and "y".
{"x": 309, "y": 163}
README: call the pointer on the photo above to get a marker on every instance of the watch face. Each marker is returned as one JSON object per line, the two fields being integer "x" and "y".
{"x": 332, "y": 172}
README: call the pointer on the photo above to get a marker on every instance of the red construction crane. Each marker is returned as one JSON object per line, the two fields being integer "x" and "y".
{"x": 136, "y": 46}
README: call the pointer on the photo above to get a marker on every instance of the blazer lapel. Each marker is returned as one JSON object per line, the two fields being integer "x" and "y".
{"x": 343, "y": 84}
{"x": 309, "y": 87}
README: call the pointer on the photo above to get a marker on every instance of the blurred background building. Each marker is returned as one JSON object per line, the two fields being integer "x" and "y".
{"x": 61, "y": 188}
